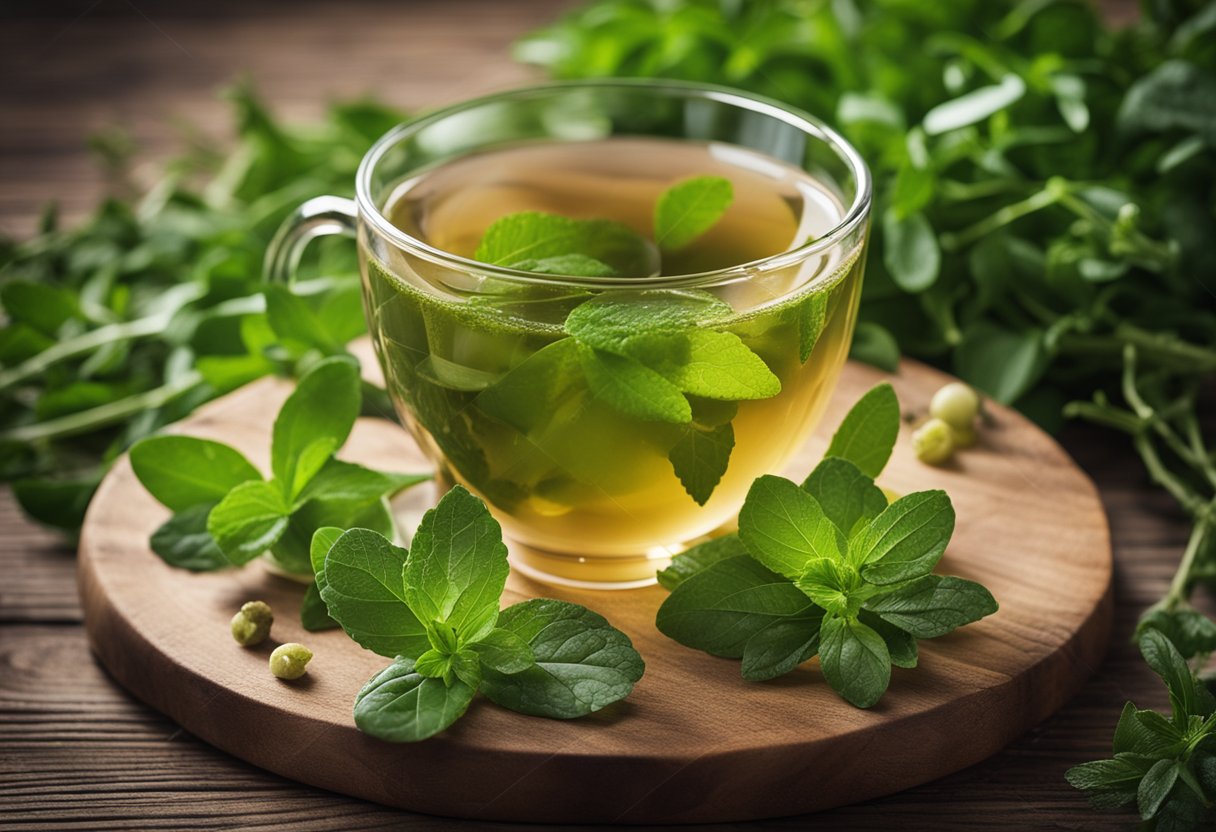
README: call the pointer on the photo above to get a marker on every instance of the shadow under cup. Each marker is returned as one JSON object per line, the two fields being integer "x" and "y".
{"x": 485, "y": 376}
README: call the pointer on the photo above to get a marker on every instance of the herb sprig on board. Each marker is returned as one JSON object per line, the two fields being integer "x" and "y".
{"x": 827, "y": 568}
{"x": 434, "y": 611}
{"x": 226, "y": 514}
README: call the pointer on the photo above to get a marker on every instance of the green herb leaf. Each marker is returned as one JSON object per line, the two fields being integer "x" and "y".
{"x": 576, "y": 265}
{"x": 632, "y": 388}
{"x": 362, "y": 589}
{"x": 399, "y": 704}
{"x": 1133, "y": 734}
{"x": 686, "y": 564}
{"x": 1167, "y": 662}
{"x": 457, "y": 566}
{"x": 911, "y": 252}
{"x": 611, "y": 321}
{"x": 1111, "y": 783}
{"x": 847, "y": 496}
{"x": 720, "y": 608}
{"x": 999, "y": 361}
{"x": 974, "y": 106}
{"x": 1155, "y": 787}
{"x": 314, "y": 422}
{"x": 779, "y": 648}
{"x": 785, "y": 529}
{"x": 854, "y": 659}
{"x": 314, "y": 615}
{"x": 583, "y": 663}
{"x": 867, "y": 435}
{"x": 182, "y": 472}
{"x": 873, "y": 344}
{"x": 900, "y": 644}
{"x": 249, "y": 520}
{"x": 717, "y": 365}
{"x": 183, "y": 541}
{"x": 933, "y": 605}
{"x": 690, "y": 208}
{"x": 345, "y": 481}
{"x": 535, "y": 235}
{"x": 700, "y": 459}
{"x": 907, "y": 540}
{"x": 504, "y": 651}
{"x": 812, "y": 317}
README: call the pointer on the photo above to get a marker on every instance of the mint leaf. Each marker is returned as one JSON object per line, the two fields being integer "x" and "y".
{"x": 610, "y": 321}
{"x": 323, "y": 539}
{"x": 1134, "y": 734}
{"x": 779, "y": 648}
{"x": 632, "y": 388}
{"x": 504, "y": 651}
{"x": 576, "y": 265}
{"x": 1155, "y": 787}
{"x": 1110, "y": 783}
{"x": 183, "y": 541}
{"x": 721, "y": 607}
{"x": 249, "y": 520}
{"x": 535, "y": 235}
{"x": 716, "y": 365}
{"x": 686, "y": 564}
{"x": 689, "y": 208}
{"x": 314, "y": 422}
{"x": 933, "y": 605}
{"x": 294, "y": 322}
{"x": 812, "y": 317}
{"x": 314, "y": 615}
{"x": 182, "y": 471}
{"x": 583, "y": 663}
{"x": 399, "y": 704}
{"x": 345, "y": 481}
{"x": 785, "y": 529}
{"x": 901, "y": 645}
{"x": 854, "y": 659}
{"x": 362, "y": 589}
{"x": 907, "y": 540}
{"x": 700, "y": 458}
{"x": 292, "y": 551}
{"x": 828, "y": 582}
{"x": 1165, "y": 660}
{"x": 526, "y": 396}
{"x": 457, "y": 566}
{"x": 867, "y": 435}
{"x": 847, "y": 496}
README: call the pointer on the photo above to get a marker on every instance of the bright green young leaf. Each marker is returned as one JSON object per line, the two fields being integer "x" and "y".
{"x": 847, "y": 496}
{"x": 854, "y": 659}
{"x": 719, "y": 366}
{"x": 688, "y": 209}
{"x": 583, "y": 663}
{"x": 700, "y": 459}
{"x": 457, "y": 566}
{"x": 686, "y": 564}
{"x": 722, "y": 606}
{"x": 812, "y": 317}
{"x": 362, "y": 589}
{"x": 183, "y": 541}
{"x": 609, "y": 321}
{"x": 399, "y": 704}
{"x": 535, "y": 235}
{"x": 827, "y": 582}
{"x": 867, "y": 435}
{"x": 346, "y": 481}
{"x": 907, "y": 540}
{"x": 779, "y": 648}
{"x": 575, "y": 265}
{"x": 249, "y": 520}
{"x": 294, "y": 322}
{"x": 933, "y": 605}
{"x": 785, "y": 529}
{"x": 910, "y": 251}
{"x": 183, "y": 471}
{"x": 632, "y": 388}
{"x": 314, "y": 422}
{"x": 504, "y": 651}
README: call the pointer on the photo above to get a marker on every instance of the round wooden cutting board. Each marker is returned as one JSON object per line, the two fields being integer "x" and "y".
{"x": 694, "y": 743}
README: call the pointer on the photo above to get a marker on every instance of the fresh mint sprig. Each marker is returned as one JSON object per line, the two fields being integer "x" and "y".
{"x": 226, "y": 514}
{"x": 434, "y": 610}
{"x": 1165, "y": 767}
{"x": 826, "y": 568}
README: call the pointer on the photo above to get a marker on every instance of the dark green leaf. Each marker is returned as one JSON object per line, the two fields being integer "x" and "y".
{"x": 1155, "y": 787}
{"x": 867, "y": 435}
{"x": 632, "y": 388}
{"x": 686, "y": 564}
{"x": 504, "y": 651}
{"x": 399, "y": 704}
{"x": 906, "y": 540}
{"x": 700, "y": 458}
{"x": 934, "y": 605}
{"x": 314, "y": 615}
{"x": 535, "y": 235}
{"x": 846, "y": 495}
{"x": 183, "y": 541}
{"x": 855, "y": 660}
{"x": 779, "y": 648}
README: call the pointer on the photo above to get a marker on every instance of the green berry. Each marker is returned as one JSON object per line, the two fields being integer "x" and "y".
{"x": 956, "y": 404}
{"x": 933, "y": 442}
{"x": 290, "y": 661}
{"x": 251, "y": 625}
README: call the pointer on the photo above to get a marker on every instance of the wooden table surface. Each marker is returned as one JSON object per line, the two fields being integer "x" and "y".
{"x": 76, "y": 752}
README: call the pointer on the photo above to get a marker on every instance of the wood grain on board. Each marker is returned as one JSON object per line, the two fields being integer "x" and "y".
{"x": 694, "y": 743}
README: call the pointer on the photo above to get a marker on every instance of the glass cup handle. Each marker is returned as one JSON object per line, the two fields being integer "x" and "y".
{"x": 320, "y": 216}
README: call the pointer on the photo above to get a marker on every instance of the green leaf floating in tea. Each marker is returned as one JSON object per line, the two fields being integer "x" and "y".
{"x": 434, "y": 609}
{"x": 826, "y": 568}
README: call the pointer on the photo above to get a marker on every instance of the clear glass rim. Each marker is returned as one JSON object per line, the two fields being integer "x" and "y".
{"x": 805, "y": 122}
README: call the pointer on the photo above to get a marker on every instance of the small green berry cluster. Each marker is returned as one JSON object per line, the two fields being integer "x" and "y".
{"x": 951, "y": 425}
{"x": 251, "y": 626}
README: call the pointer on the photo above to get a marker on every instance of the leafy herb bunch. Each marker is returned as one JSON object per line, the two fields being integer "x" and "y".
{"x": 435, "y": 610}
{"x": 827, "y": 568}
{"x": 226, "y": 514}
{"x": 158, "y": 303}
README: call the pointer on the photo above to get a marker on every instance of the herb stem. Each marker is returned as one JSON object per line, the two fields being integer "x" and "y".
{"x": 104, "y": 415}
{"x": 1048, "y": 196}
{"x": 1179, "y": 585}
